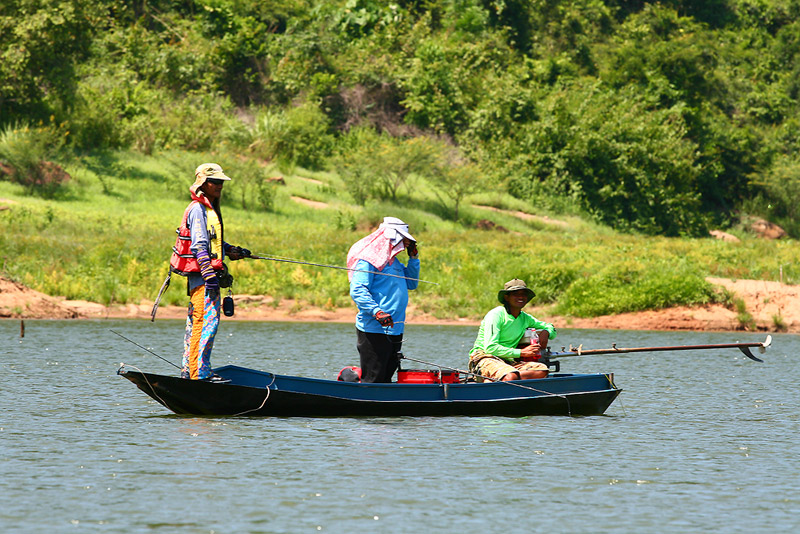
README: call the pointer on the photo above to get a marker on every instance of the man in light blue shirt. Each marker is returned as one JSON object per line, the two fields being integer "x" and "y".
{"x": 379, "y": 285}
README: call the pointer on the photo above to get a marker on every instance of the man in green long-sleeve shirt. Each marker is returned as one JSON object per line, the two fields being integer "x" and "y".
{"x": 496, "y": 354}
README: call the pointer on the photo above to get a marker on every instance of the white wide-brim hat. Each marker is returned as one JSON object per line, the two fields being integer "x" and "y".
{"x": 395, "y": 229}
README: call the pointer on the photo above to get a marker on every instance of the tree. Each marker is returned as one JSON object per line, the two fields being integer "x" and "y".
{"x": 42, "y": 41}
{"x": 454, "y": 177}
{"x": 397, "y": 161}
{"x": 379, "y": 165}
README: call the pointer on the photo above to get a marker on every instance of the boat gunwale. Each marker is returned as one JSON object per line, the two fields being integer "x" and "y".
{"x": 526, "y": 383}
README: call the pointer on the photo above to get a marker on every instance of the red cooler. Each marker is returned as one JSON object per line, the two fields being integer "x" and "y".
{"x": 426, "y": 376}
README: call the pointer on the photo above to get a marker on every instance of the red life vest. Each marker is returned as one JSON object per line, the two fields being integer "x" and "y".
{"x": 183, "y": 261}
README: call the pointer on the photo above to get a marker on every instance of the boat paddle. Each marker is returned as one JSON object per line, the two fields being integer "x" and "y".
{"x": 744, "y": 347}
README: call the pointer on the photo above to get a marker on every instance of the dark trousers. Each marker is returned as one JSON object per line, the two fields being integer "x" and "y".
{"x": 378, "y": 354}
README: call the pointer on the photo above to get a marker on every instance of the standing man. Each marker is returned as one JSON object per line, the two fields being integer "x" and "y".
{"x": 382, "y": 299}
{"x": 198, "y": 254}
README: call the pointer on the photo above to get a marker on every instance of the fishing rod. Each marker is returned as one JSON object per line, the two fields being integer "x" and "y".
{"x": 744, "y": 347}
{"x": 474, "y": 375}
{"x": 499, "y": 381}
{"x": 144, "y": 348}
{"x": 290, "y": 260}
{"x": 404, "y": 357}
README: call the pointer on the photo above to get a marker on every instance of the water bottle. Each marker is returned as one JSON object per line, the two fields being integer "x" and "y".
{"x": 531, "y": 335}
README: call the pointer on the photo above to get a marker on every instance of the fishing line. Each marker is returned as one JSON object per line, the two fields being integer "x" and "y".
{"x": 290, "y": 260}
{"x": 144, "y": 375}
{"x": 481, "y": 376}
{"x": 144, "y": 348}
{"x": 451, "y": 369}
{"x": 511, "y": 383}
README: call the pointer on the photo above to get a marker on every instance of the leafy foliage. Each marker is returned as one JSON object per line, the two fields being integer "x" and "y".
{"x": 453, "y": 176}
{"x": 380, "y": 165}
{"x": 657, "y": 117}
{"x": 298, "y": 136}
{"x": 30, "y": 151}
{"x": 634, "y": 286}
{"x": 42, "y": 42}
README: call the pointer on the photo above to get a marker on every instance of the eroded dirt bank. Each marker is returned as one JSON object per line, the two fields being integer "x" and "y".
{"x": 773, "y": 306}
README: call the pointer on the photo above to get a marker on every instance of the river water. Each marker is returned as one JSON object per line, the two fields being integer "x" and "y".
{"x": 697, "y": 442}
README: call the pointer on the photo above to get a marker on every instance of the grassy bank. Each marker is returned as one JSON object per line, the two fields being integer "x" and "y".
{"x": 107, "y": 238}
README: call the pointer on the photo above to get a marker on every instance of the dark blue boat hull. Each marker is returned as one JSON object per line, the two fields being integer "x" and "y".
{"x": 259, "y": 393}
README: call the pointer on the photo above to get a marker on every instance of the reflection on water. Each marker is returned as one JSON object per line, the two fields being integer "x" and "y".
{"x": 698, "y": 441}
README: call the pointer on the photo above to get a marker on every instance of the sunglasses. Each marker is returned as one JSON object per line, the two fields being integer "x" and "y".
{"x": 215, "y": 181}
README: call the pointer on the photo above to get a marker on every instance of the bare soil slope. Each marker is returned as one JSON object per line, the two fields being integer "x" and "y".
{"x": 773, "y": 306}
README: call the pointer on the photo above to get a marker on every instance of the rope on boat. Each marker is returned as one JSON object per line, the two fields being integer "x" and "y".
{"x": 162, "y": 401}
{"x": 614, "y": 386}
{"x": 262, "y": 404}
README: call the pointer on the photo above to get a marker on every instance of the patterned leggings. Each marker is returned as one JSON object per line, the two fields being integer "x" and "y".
{"x": 202, "y": 322}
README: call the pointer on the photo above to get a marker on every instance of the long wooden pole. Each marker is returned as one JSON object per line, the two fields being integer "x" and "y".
{"x": 744, "y": 347}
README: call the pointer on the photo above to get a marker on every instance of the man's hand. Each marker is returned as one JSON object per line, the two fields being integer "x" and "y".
{"x": 384, "y": 318}
{"x": 412, "y": 250}
{"x": 237, "y": 253}
{"x": 206, "y": 271}
{"x": 531, "y": 353}
{"x": 212, "y": 283}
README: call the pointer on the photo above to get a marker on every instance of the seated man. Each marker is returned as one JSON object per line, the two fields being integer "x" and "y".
{"x": 496, "y": 355}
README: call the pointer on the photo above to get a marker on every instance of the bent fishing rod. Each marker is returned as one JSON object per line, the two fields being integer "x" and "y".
{"x": 144, "y": 348}
{"x": 457, "y": 370}
{"x": 499, "y": 381}
{"x": 477, "y": 375}
{"x": 744, "y": 347}
{"x": 402, "y": 356}
{"x": 290, "y": 260}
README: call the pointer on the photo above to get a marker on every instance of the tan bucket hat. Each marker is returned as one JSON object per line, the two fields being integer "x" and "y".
{"x": 205, "y": 171}
{"x": 514, "y": 285}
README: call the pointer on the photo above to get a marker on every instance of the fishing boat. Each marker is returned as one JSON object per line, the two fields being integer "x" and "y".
{"x": 250, "y": 392}
{"x": 442, "y": 391}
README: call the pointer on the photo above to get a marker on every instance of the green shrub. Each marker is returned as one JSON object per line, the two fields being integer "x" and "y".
{"x": 296, "y": 136}
{"x": 453, "y": 176}
{"x": 352, "y": 162}
{"x": 95, "y": 123}
{"x": 29, "y": 152}
{"x": 781, "y": 189}
{"x": 743, "y": 316}
{"x": 120, "y": 111}
{"x": 631, "y": 286}
{"x": 379, "y": 166}
{"x": 629, "y": 167}
{"x": 251, "y": 186}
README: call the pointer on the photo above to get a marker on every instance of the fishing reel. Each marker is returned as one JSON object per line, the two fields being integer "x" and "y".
{"x": 555, "y": 364}
{"x": 225, "y": 278}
